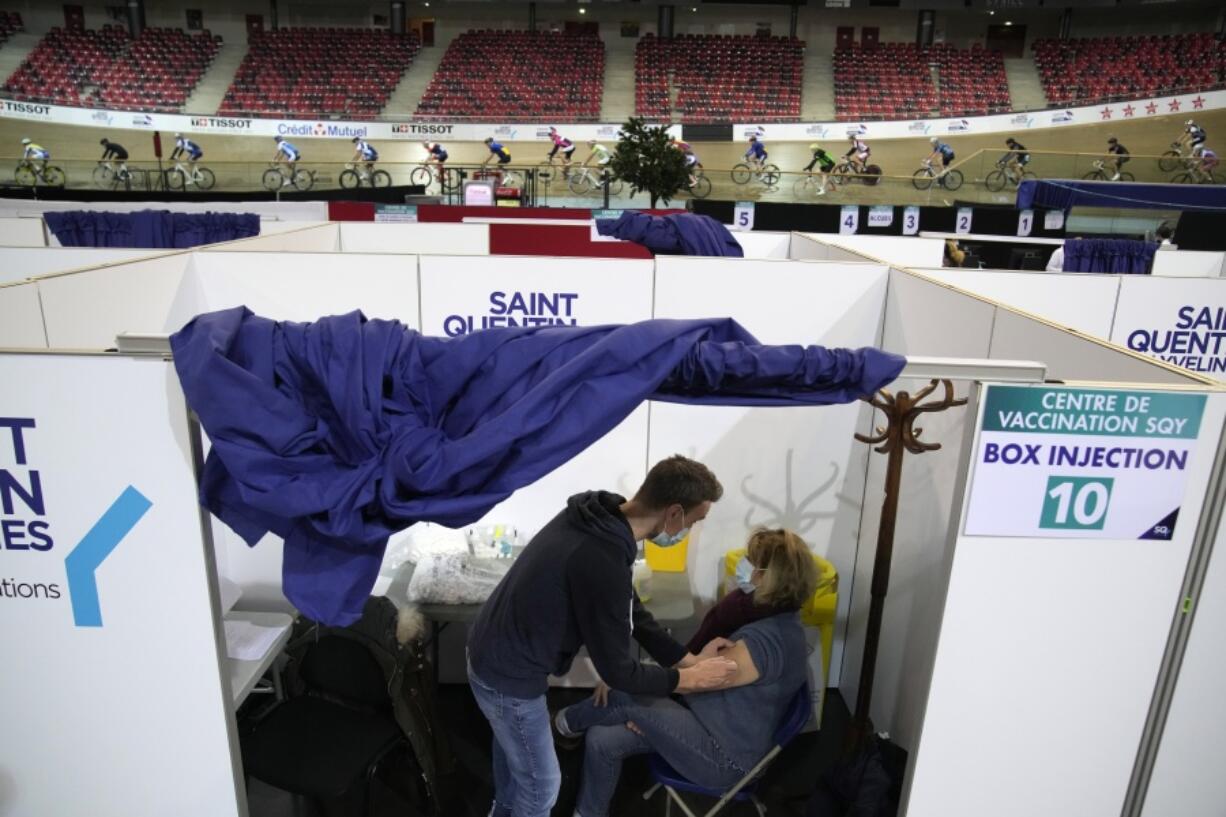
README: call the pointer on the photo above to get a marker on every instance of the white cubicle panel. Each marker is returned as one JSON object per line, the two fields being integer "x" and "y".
{"x": 1082, "y": 302}
{"x": 1180, "y": 321}
{"x": 764, "y": 244}
{"x": 781, "y": 467}
{"x": 86, "y": 310}
{"x": 422, "y": 239}
{"x": 311, "y": 238}
{"x": 19, "y": 263}
{"x": 1049, "y": 652}
{"x": 1188, "y": 264}
{"x": 1187, "y": 776}
{"x": 905, "y": 251}
{"x": 116, "y": 695}
{"x": 19, "y": 231}
{"x": 919, "y": 314}
{"x": 21, "y": 317}
{"x": 303, "y": 286}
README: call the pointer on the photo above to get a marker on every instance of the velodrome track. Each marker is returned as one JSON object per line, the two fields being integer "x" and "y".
{"x": 239, "y": 160}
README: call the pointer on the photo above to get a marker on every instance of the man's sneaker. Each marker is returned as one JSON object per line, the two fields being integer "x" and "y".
{"x": 563, "y": 738}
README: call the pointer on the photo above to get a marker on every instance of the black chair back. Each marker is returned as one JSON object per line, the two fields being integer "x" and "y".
{"x": 342, "y": 668}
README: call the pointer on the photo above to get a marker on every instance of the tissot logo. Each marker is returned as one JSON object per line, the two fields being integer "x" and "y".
{"x": 422, "y": 128}
{"x": 223, "y": 124}
{"x": 27, "y": 108}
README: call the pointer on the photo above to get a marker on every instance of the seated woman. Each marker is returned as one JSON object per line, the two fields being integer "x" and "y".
{"x": 712, "y": 738}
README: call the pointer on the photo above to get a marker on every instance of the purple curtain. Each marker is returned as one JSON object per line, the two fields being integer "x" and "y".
{"x": 1110, "y": 255}
{"x": 149, "y": 229}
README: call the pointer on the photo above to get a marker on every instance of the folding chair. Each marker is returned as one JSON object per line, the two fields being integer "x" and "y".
{"x": 666, "y": 777}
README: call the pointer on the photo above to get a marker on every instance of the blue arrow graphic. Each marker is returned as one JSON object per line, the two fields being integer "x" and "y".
{"x": 93, "y": 549}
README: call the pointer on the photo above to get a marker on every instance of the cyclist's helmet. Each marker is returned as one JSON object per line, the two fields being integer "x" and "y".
{"x": 102, "y": 141}
{"x": 552, "y": 129}
{"x": 815, "y": 146}
{"x": 1190, "y": 123}
{"x": 178, "y": 136}
{"x": 935, "y": 141}
{"x": 278, "y": 139}
{"x": 753, "y": 138}
{"x": 489, "y": 140}
{"x": 1111, "y": 140}
{"x": 356, "y": 139}
{"x": 1010, "y": 141}
{"x": 591, "y": 143}
{"x": 25, "y": 141}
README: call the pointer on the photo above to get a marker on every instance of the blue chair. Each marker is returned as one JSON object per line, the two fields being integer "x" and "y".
{"x": 666, "y": 777}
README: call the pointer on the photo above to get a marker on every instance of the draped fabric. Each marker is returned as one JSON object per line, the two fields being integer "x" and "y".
{"x": 337, "y": 433}
{"x": 674, "y": 234}
{"x": 1064, "y": 194}
{"x": 1112, "y": 255}
{"x": 150, "y": 229}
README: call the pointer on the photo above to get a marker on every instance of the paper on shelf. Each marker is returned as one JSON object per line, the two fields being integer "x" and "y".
{"x": 249, "y": 642}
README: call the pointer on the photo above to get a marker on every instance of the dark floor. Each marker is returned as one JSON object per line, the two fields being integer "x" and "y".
{"x": 467, "y": 792}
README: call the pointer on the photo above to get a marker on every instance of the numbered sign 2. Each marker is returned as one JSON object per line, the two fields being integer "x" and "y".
{"x": 963, "y": 224}
{"x": 910, "y": 220}
{"x": 849, "y": 220}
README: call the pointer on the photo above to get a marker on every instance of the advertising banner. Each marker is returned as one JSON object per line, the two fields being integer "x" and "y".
{"x": 1181, "y": 321}
{"x": 1082, "y": 463}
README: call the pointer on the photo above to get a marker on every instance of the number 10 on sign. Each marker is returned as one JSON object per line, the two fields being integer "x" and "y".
{"x": 1077, "y": 503}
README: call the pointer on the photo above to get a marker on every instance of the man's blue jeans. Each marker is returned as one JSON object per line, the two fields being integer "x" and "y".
{"x": 526, "y": 772}
{"x": 668, "y": 728}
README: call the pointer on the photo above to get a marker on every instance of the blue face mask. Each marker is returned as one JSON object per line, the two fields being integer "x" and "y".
{"x": 744, "y": 575}
{"x": 667, "y": 540}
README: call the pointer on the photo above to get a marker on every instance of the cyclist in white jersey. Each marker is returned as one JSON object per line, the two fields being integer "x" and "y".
{"x": 290, "y": 155}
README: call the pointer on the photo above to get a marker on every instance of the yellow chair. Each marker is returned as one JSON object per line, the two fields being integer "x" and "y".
{"x": 818, "y": 612}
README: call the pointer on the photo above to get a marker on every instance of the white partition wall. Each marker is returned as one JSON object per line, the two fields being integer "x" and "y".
{"x": 796, "y": 467}
{"x": 115, "y": 700}
{"x": 1082, "y": 302}
{"x": 906, "y": 251}
{"x": 1180, "y": 321}
{"x": 764, "y": 244}
{"x": 21, "y": 318}
{"x": 1188, "y": 264}
{"x": 1057, "y": 615}
{"x": 18, "y": 263}
{"x": 423, "y": 239}
{"x": 305, "y": 286}
{"x": 85, "y": 310}
{"x": 18, "y": 231}
{"x": 1187, "y": 776}
{"x": 315, "y": 238}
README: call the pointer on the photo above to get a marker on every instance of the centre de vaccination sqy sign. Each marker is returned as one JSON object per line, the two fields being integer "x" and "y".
{"x": 1082, "y": 463}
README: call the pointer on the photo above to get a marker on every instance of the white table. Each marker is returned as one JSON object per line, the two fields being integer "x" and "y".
{"x": 245, "y": 674}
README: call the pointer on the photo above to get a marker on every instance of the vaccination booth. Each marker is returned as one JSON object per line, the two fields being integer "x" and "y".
{"x": 1055, "y": 603}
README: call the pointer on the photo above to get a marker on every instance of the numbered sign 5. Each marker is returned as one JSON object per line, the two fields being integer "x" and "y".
{"x": 742, "y": 216}
{"x": 849, "y": 220}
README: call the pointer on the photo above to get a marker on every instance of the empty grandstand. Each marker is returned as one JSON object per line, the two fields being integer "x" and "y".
{"x": 10, "y": 23}
{"x": 719, "y": 78}
{"x": 516, "y": 74}
{"x": 309, "y": 72}
{"x": 108, "y": 68}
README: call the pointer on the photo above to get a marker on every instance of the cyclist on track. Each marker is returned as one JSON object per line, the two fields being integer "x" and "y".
{"x": 115, "y": 151}
{"x": 823, "y": 162}
{"x": 756, "y": 155}
{"x": 1193, "y": 137}
{"x": 1208, "y": 161}
{"x": 1016, "y": 159}
{"x": 290, "y": 155}
{"x": 602, "y": 155}
{"x": 186, "y": 147}
{"x": 1117, "y": 157}
{"x": 563, "y": 144}
{"x": 34, "y": 152}
{"x": 435, "y": 154}
{"x": 858, "y": 155}
{"x": 941, "y": 152}
{"x": 497, "y": 151}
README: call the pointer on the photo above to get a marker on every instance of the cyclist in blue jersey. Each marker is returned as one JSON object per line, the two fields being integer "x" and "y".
{"x": 756, "y": 155}
{"x": 497, "y": 151}
{"x": 942, "y": 154}
{"x": 290, "y": 155}
{"x": 436, "y": 154}
{"x": 363, "y": 151}
{"x": 186, "y": 147}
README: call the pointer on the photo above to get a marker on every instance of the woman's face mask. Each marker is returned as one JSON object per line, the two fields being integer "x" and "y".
{"x": 667, "y": 540}
{"x": 744, "y": 575}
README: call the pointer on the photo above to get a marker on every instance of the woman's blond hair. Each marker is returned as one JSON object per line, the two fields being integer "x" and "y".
{"x": 789, "y": 575}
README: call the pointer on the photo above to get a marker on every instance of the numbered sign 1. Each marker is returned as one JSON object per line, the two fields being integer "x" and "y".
{"x": 849, "y": 219}
{"x": 910, "y": 220}
{"x": 742, "y": 216}
{"x": 880, "y": 216}
{"x": 1053, "y": 219}
{"x": 963, "y": 224}
{"x": 1025, "y": 221}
